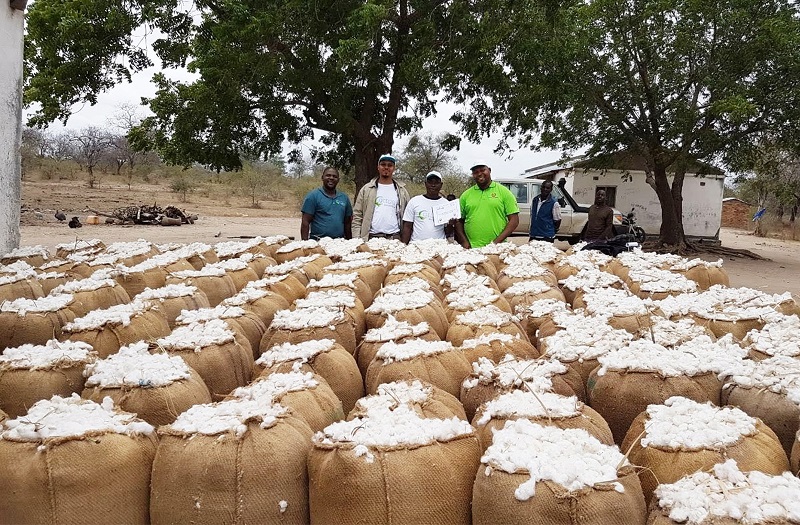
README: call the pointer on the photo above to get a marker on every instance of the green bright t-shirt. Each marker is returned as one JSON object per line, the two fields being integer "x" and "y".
{"x": 486, "y": 212}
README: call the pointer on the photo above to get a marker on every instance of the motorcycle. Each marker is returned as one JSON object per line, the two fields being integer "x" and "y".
{"x": 630, "y": 228}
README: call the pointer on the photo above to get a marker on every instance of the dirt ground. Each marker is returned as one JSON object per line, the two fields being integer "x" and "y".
{"x": 220, "y": 221}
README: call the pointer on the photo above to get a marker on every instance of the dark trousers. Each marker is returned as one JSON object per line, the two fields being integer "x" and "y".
{"x": 395, "y": 236}
{"x": 546, "y": 239}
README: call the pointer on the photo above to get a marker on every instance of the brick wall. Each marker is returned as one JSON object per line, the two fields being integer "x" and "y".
{"x": 737, "y": 214}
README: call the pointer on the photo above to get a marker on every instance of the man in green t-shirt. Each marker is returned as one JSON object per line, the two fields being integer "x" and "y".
{"x": 489, "y": 211}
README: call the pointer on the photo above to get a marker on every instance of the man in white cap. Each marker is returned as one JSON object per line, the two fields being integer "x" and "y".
{"x": 380, "y": 204}
{"x": 418, "y": 219}
{"x": 489, "y": 211}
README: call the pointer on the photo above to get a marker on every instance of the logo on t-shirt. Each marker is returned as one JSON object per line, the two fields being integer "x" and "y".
{"x": 494, "y": 195}
{"x": 421, "y": 215}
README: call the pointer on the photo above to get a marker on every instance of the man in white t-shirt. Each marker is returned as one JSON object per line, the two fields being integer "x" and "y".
{"x": 418, "y": 223}
{"x": 379, "y": 205}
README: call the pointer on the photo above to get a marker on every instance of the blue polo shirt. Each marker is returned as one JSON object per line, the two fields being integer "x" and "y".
{"x": 329, "y": 213}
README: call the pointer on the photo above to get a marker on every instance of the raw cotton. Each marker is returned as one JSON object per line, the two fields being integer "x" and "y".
{"x": 167, "y": 292}
{"x": 393, "y": 329}
{"x": 230, "y": 416}
{"x": 52, "y": 354}
{"x": 195, "y": 336}
{"x": 749, "y": 498}
{"x": 51, "y": 303}
{"x": 307, "y": 318}
{"x": 120, "y": 314}
{"x": 523, "y": 404}
{"x": 778, "y": 338}
{"x": 390, "y": 352}
{"x": 135, "y": 366}
{"x": 302, "y": 352}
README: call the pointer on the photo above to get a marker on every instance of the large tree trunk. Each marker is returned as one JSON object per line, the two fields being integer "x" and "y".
{"x": 369, "y": 148}
{"x": 671, "y": 233}
{"x": 677, "y": 199}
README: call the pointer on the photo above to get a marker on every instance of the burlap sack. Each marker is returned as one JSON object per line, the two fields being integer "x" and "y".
{"x": 343, "y": 332}
{"x": 318, "y": 406}
{"x": 761, "y": 451}
{"x": 720, "y": 328}
{"x": 134, "y": 283}
{"x": 29, "y": 288}
{"x": 497, "y": 349}
{"x": 366, "y": 350}
{"x": 222, "y": 367}
{"x": 225, "y": 479}
{"x": 795, "y": 457}
{"x": 636, "y": 289}
{"x": 445, "y": 370}
{"x": 621, "y": 396}
{"x": 315, "y": 269}
{"x": 529, "y": 298}
{"x": 216, "y": 287}
{"x": 426, "y": 485}
{"x": 259, "y": 263}
{"x": 178, "y": 265}
{"x": 84, "y": 302}
{"x": 33, "y": 328}
{"x": 658, "y": 516}
{"x": 493, "y": 502}
{"x": 615, "y": 267}
{"x": 242, "y": 277}
{"x": 634, "y": 323}
{"x": 483, "y": 268}
{"x": 33, "y": 259}
{"x": 290, "y": 255}
{"x": 428, "y": 273}
{"x": 360, "y": 288}
{"x": 288, "y": 286}
{"x": 265, "y": 307}
{"x": 50, "y": 281}
{"x": 252, "y": 327}
{"x": 458, "y": 333}
{"x": 172, "y": 307}
{"x": 20, "y": 388}
{"x": 198, "y": 260}
{"x": 452, "y": 310}
{"x": 431, "y": 313}
{"x": 588, "y": 420}
{"x": 707, "y": 276}
{"x": 774, "y": 409}
{"x": 133, "y": 260}
{"x": 438, "y": 405}
{"x": 374, "y": 275}
{"x": 336, "y": 366}
{"x": 100, "y": 479}
{"x": 504, "y": 282}
{"x": 158, "y": 405}
{"x": 566, "y": 384}
{"x": 146, "y": 325}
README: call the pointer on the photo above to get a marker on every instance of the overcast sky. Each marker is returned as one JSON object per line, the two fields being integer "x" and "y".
{"x": 509, "y": 164}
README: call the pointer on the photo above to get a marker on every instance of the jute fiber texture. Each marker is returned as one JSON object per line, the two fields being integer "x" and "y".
{"x": 761, "y": 451}
{"x": 20, "y": 388}
{"x": 172, "y": 306}
{"x": 134, "y": 283}
{"x": 431, "y": 313}
{"x": 342, "y": 331}
{"x": 29, "y": 288}
{"x": 530, "y": 298}
{"x": 157, "y": 405}
{"x": 366, "y": 351}
{"x": 621, "y": 396}
{"x": 216, "y": 287}
{"x": 265, "y": 307}
{"x": 100, "y": 479}
{"x": 458, "y": 333}
{"x": 109, "y": 338}
{"x": 795, "y": 458}
{"x": 339, "y": 369}
{"x": 84, "y": 302}
{"x": 496, "y": 350}
{"x": 774, "y": 409}
{"x": 720, "y": 328}
{"x": 223, "y": 367}
{"x": 499, "y": 301}
{"x": 223, "y": 479}
{"x": 493, "y": 502}
{"x": 34, "y": 328}
{"x": 587, "y": 419}
{"x": 426, "y": 485}
{"x": 445, "y": 370}
{"x": 317, "y": 406}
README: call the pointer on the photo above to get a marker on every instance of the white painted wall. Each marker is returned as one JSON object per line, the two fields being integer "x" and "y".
{"x": 702, "y": 199}
{"x": 11, "y": 37}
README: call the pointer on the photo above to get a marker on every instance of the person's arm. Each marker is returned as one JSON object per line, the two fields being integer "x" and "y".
{"x": 358, "y": 212}
{"x": 556, "y": 217}
{"x": 348, "y": 227}
{"x": 405, "y": 232}
{"x": 609, "y": 219}
{"x": 461, "y": 237}
{"x": 511, "y": 225}
{"x": 305, "y": 225}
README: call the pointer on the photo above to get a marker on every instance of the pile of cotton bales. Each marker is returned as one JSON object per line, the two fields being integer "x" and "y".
{"x": 344, "y": 381}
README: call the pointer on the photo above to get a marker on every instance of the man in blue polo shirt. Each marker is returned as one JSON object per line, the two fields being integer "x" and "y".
{"x": 326, "y": 211}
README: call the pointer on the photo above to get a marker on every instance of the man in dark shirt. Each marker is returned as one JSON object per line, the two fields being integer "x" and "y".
{"x": 601, "y": 219}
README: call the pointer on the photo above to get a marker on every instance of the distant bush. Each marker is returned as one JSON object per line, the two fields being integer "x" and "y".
{"x": 182, "y": 185}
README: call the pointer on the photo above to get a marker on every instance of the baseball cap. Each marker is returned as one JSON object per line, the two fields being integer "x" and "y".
{"x": 433, "y": 175}
{"x": 479, "y": 164}
{"x": 387, "y": 156}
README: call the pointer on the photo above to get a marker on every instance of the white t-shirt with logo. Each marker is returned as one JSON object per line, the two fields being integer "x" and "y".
{"x": 420, "y": 212}
{"x": 384, "y": 219}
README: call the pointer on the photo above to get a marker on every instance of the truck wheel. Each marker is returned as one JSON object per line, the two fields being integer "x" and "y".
{"x": 639, "y": 234}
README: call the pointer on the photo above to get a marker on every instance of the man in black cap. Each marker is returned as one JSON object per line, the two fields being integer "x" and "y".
{"x": 380, "y": 204}
{"x": 418, "y": 219}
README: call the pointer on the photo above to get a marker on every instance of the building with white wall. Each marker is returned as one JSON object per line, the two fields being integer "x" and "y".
{"x": 11, "y": 38}
{"x": 624, "y": 179}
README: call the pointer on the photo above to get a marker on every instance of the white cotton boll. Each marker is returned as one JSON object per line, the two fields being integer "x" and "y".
{"x": 332, "y": 280}
{"x": 389, "y": 303}
{"x": 203, "y": 315}
{"x": 585, "y": 338}
{"x": 130, "y": 248}
{"x": 50, "y": 303}
{"x": 390, "y": 352}
{"x": 524, "y": 404}
{"x": 328, "y": 299}
{"x": 230, "y": 416}
{"x": 393, "y": 329}
{"x": 28, "y": 251}
{"x": 511, "y": 372}
{"x": 307, "y": 318}
{"x": 612, "y": 301}
{"x": 472, "y": 297}
{"x": 541, "y": 308}
{"x": 303, "y": 352}
{"x": 681, "y": 423}
{"x": 206, "y": 271}
{"x": 119, "y": 314}
{"x": 275, "y": 385}
{"x": 489, "y": 315}
{"x": 283, "y": 505}
{"x": 780, "y": 375}
{"x": 779, "y": 337}
{"x": 348, "y": 266}
{"x": 135, "y": 366}
{"x": 515, "y": 270}
{"x": 167, "y": 292}
{"x": 463, "y": 258}
{"x": 197, "y": 336}
{"x": 407, "y": 286}
{"x": 527, "y": 287}
{"x": 52, "y": 354}
{"x": 461, "y": 278}
{"x": 340, "y": 247}
{"x": 298, "y": 245}
{"x": 655, "y": 280}
{"x": 589, "y": 279}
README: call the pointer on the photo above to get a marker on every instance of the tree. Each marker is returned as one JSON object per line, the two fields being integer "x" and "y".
{"x": 427, "y": 152}
{"x": 91, "y": 144}
{"x": 358, "y": 72}
{"x": 126, "y": 119}
{"x": 674, "y": 81}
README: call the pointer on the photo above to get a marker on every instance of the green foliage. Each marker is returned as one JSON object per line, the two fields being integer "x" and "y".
{"x": 182, "y": 185}
{"x": 425, "y": 153}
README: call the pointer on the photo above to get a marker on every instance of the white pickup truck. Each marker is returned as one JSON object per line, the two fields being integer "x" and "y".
{"x": 573, "y": 215}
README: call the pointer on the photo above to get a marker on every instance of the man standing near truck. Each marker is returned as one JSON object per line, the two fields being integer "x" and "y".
{"x": 545, "y": 215}
{"x": 600, "y": 225}
{"x": 489, "y": 211}
{"x": 380, "y": 203}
